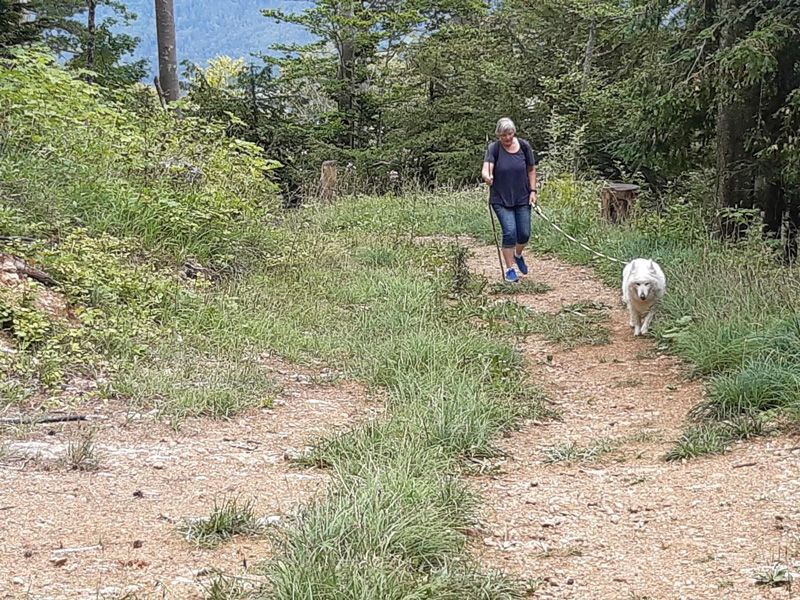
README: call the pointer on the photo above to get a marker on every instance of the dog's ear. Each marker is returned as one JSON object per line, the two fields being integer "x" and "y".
{"x": 652, "y": 266}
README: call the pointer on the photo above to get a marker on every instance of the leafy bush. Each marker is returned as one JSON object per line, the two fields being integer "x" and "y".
{"x": 109, "y": 194}
{"x": 179, "y": 187}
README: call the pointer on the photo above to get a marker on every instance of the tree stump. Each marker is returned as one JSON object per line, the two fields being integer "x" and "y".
{"x": 327, "y": 182}
{"x": 618, "y": 198}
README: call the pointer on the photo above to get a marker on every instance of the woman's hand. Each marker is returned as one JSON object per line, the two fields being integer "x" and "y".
{"x": 534, "y": 198}
{"x": 488, "y": 179}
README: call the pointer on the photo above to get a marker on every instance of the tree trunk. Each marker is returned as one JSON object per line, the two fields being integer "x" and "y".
{"x": 737, "y": 114}
{"x": 346, "y": 72}
{"x": 588, "y": 56}
{"x": 771, "y": 194}
{"x": 167, "y": 49}
{"x": 91, "y": 37}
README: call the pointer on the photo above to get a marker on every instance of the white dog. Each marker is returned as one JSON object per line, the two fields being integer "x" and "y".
{"x": 643, "y": 285}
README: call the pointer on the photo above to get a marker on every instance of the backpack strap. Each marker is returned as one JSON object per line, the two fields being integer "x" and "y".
{"x": 496, "y": 150}
{"x": 525, "y": 144}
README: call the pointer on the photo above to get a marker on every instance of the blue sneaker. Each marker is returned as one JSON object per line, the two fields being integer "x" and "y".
{"x": 523, "y": 268}
{"x": 511, "y": 276}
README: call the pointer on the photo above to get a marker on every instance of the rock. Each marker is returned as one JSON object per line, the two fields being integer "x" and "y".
{"x": 295, "y": 454}
{"x": 35, "y": 450}
{"x": 271, "y": 521}
{"x": 59, "y": 561}
{"x": 18, "y": 581}
{"x": 551, "y": 522}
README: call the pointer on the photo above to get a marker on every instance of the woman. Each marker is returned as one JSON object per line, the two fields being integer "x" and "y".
{"x": 509, "y": 167}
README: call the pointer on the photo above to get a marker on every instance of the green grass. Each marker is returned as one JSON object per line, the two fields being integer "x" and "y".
{"x": 82, "y": 453}
{"x": 574, "y": 325}
{"x": 391, "y": 523}
{"x": 192, "y": 377}
{"x": 228, "y": 518}
{"x": 573, "y": 452}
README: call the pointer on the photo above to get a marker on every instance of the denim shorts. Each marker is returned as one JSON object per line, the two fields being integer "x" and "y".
{"x": 515, "y": 221}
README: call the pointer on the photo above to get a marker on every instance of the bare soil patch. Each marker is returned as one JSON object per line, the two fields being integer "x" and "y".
{"x": 69, "y": 534}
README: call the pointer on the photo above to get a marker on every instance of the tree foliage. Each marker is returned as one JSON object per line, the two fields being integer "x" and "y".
{"x": 64, "y": 25}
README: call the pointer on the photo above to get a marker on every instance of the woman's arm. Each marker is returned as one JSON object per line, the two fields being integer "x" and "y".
{"x": 532, "y": 180}
{"x": 488, "y": 172}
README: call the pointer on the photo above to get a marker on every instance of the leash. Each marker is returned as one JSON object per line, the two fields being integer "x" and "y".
{"x": 572, "y": 239}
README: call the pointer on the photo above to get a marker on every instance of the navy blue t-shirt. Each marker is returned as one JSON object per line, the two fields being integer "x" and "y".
{"x": 512, "y": 186}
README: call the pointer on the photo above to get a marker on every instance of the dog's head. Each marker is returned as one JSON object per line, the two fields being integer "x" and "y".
{"x": 644, "y": 289}
{"x": 644, "y": 280}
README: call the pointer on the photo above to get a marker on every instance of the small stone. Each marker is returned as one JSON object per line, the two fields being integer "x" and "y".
{"x": 292, "y": 454}
{"x": 570, "y": 581}
{"x": 18, "y": 581}
{"x": 138, "y": 543}
{"x": 27, "y": 553}
{"x": 550, "y": 522}
{"x": 58, "y": 562}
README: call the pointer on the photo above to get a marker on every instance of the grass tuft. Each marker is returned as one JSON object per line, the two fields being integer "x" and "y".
{"x": 229, "y": 518}
{"x": 82, "y": 453}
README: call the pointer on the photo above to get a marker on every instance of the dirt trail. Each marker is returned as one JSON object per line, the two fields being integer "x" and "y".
{"x": 626, "y": 524}
{"x": 121, "y": 520}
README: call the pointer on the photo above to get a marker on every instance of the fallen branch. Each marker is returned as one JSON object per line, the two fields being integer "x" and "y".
{"x": 20, "y": 267}
{"x": 35, "y": 273}
{"x": 747, "y": 464}
{"x": 18, "y": 238}
{"x": 38, "y": 420}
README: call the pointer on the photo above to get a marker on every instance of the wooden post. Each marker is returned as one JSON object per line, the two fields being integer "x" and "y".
{"x": 618, "y": 198}
{"x": 327, "y": 182}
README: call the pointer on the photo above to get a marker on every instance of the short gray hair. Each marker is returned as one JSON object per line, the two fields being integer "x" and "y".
{"x": 505, "y": 125}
